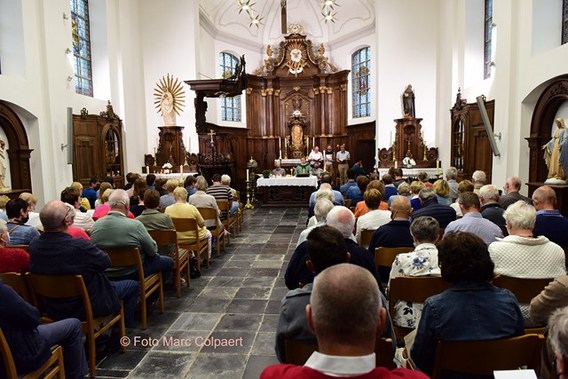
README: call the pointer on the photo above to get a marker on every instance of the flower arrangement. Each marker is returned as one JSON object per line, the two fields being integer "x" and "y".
{"x": 167, "y": 166}
{"x": 266, "y": 173}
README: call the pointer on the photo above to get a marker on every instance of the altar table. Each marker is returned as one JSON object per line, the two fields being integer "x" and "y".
{"x": 286, "y": 191}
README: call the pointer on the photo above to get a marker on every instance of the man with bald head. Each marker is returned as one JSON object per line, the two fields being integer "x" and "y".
{"x": 549, "y": 222}
{"x": 346, "y": 319}
{"x": 55, "y": 252}
{"x": 512, "y": 187}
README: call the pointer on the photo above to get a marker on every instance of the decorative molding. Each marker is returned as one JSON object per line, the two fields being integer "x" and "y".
{"x": 249, "y": 90}
{"x": 296, "y": 88}
{"x": 270, "y": 91}
{"x": 343, "y": 87}
{"x": 276, "y": 92}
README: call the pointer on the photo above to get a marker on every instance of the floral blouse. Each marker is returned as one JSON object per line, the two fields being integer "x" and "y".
{"x": 423, "y": 261}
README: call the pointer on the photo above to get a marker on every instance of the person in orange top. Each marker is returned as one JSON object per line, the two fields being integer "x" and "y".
{"x": 361, "y": 208}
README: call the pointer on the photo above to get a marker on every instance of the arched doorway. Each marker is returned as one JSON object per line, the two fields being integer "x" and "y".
{"x": 19, "y": 151}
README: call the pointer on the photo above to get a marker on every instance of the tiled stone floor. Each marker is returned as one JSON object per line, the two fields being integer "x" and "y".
{"x": 236, "y": 299}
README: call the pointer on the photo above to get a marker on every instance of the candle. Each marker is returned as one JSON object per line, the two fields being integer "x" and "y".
{"x": 390, "y": 139}
{"x": 395, "y": 164}
{"x": 280, "y": 144}
{"x": 147, "y": 170}
{"x": 437, "y": 165}
{"x": 313, "y": 142}
{"x": 181, "y": 169}
{"x": 247, "y": 175}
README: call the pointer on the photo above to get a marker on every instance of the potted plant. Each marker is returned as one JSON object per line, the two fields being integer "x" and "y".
{"x": 266, "y": 174}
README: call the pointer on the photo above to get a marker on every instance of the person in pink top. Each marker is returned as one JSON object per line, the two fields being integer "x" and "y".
{"x": 74, "y": 231}
{"x": 346, "y": 321}
{"x": 104, "y": 208}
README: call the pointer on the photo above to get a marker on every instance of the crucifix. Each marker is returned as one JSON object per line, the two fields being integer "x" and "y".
{"x": 283, "y": 18}
{"x": 211, "y": 134}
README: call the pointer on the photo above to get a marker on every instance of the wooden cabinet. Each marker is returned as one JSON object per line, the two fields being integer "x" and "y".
{"x": 97, "y": 147}
{"x": 470, "y": 146}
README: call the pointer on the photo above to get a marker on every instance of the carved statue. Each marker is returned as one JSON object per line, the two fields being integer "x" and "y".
{"x": 408, "y": 102}
{"x": 556, "y": 154}
{"x": 297, "y": 137}
{"x": 2, "y": 164}
{"x": 169, "y": 95}
{"x": 167, "y": 109}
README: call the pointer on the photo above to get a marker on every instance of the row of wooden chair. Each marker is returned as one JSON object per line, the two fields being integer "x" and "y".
{"x": 34, "y": 288}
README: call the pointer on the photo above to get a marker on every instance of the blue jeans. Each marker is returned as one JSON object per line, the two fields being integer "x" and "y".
{"x": 234, "y": 207}
{"x": 69, "y": 335}
{"x": 159, "y": 263}
{"x": 129, "y": 292}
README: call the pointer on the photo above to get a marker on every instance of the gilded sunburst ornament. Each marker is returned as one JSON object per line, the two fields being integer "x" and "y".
{"x": 169, "y": 98}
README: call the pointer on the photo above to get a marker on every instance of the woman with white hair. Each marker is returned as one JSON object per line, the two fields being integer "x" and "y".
{"x": 226, "y": 180}
{"x": 558, "y": 338}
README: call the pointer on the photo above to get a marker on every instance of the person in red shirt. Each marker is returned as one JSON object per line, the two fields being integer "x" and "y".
{"x": 11, "y": 259}
{"x": 346, "y": 319}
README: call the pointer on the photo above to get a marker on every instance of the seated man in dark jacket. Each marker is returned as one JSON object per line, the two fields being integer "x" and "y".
{"x": 56, "y": 253}
{"x": 30, "y": 342}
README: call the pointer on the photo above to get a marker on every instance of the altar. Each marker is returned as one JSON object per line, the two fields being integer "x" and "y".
{"x": 286, "y": 191}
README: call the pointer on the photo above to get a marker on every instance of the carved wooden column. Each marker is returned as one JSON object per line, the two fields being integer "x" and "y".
{"x": 171, "y": 146}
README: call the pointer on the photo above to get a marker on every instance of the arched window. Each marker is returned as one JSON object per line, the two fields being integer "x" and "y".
{"x": 230, "y": 106}
{"x": 488, "y": 32}
{"x": 361, "y": 80}
{"x": 82, "y": 47}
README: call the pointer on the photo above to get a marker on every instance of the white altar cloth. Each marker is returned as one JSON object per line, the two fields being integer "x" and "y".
{"x": 310, "y": 181}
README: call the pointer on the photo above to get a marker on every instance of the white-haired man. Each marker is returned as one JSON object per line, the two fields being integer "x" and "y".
{"x": 478, "y": 178}
{"x": 512, "y": 195}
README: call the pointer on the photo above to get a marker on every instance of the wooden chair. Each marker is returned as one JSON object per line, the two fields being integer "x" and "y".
{"x": 483, "y": 357}
{"x": 168, "y": 237}
{"x": 67, "y": 286}
{"x": 366, "y": 237}
{"x": 240, "y": 213}
{"x": 199, "y": 246}
{"x": 18, "y": 283}
{"x": 414, "y": 289}
{"x": 384, "y": 256}
{"x": 219, "y": 231}
{"x": 230, "y": 221}
{"x": 524, "y": 290}
{"x": 51, "y": 368}
{"x": 130, "y": 256}
{"x": 298, "y": 352}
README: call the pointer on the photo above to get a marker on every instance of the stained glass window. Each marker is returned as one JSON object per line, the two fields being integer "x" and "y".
{"x": 230, "y": 106}
{"x": 361, "y": 83}
{"x": 488, "y": 33}
{"x": 82, "y": 47}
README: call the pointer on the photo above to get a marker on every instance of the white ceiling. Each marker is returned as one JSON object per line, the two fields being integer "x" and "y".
{"x": 353, "y": 16}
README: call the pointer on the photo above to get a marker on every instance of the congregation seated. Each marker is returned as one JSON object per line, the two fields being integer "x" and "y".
{"x": 20, "y": 233}
{"x": 104, "y": 207}
{"x": 182, "y": 209}
{"x": 30, "y": 341}
{"x": 278, "y": 171}
{"x": 326, "y": 180}
{"x": 90, "y": 193}
{"x": 549, "y": 222}
{"x": 425, "y": 179}
{"x": 415, "y": 188}
{"x": 321, "y": 210}
{"x": 168, "y": 198}
{"x": 403, "y": 190}
{"x": 343, "y": 220}
{"x": 396, "y": 233}
{"x": 397, "y": 176}
{"x": 350, "y": 182}
{"x": 444, "y": 214}
{"x": 11, "y": 259}
{"x": 117, "y": 230}
{"x": 512, "y": 187}
{"x": 84, "y": 204}
{"x": 358, "y": 168}
{"x": 137, "y": 199}
{"x": 74, "y": 231}
{"x": 55, "y": 252}
{"x": 3, "y": 201}
{"x": 226, "y": 180}
{"x": 390, "y": 189}
{"x": 200, "y": 199}
{"x": 220, "y": 192}
{"x": 472, "y": 309}
{"x": 347, "y": 317}
{"x": 153, "y": 219}
{"x": 32, "y": 214}
{"x": 490, "y": 208}
{"x": 423, "y": 261}
{"x": 451, "y": 178}
{"x": 520, "y": 255}
{"x": 558, "y": 337}
{"x": 478, "y": 178}
{"x": 151, "y": 181}
{"x": 472, "y": 220}
{"x": 82, "y": 220}
{"x": 189, "y": 184}
{"x": 160, "y": 184}
{"x": 355, "y": 193}
{"x": 463, "y": 186}
{"x": 102, "y": 189}
{"x": 361, "y": 208}
{"x": 131, "y": 177}
{"x": 376, "y": 217}
{"x": 442, "y": 189}
{"x": 552, "y": 297}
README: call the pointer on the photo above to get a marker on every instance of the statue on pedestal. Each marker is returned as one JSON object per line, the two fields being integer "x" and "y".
{"x": 556, "y": 154}
{"x": 408, "y": 102}
{"x": 3, "y": 186}
{"x": 168, "y": 99}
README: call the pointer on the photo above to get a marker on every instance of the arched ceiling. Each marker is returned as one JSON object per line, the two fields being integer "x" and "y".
{"x": 352, "y": 17}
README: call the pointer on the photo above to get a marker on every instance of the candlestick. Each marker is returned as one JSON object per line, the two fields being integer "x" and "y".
{"x": 395, "y": 164}
{"x": 313, "y": 142}
{"x": 247, "y": 174}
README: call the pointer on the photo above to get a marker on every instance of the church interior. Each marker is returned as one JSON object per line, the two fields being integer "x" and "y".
{"x": 104, "y": 88}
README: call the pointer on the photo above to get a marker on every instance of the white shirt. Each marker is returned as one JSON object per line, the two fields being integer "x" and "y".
{"x": 372, "y": 220}
{"x": 315, "y": 156}
{"x": 343, "y": 156}
{"x": 341, "y": 366}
